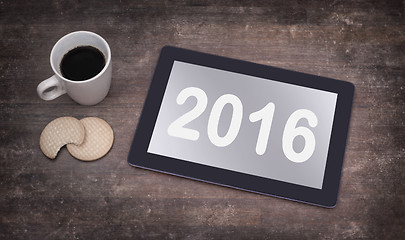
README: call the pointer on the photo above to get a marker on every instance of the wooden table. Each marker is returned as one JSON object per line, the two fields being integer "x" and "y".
{"x": 362, "y": 42}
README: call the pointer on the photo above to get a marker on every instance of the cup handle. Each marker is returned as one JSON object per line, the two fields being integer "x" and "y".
{"x": 51, "y": 88}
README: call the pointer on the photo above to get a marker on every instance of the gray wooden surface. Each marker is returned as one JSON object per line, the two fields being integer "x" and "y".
{"x": 362, "y": 42}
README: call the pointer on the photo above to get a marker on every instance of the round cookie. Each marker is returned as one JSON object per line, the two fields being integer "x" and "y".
{"x": 59, "y": 132}
{"x": 98, "y": 141}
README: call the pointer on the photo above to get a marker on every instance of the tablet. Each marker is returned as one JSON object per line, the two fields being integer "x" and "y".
{"x": 244, "y": 125}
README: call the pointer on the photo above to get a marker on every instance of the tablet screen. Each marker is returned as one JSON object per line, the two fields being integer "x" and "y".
{"x": 240, "y": 122}
{"x": 244, "y": 125}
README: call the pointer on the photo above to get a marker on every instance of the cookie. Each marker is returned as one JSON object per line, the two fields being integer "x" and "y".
{"x": 60, "y": 132}
{"x": 98, "y": 141}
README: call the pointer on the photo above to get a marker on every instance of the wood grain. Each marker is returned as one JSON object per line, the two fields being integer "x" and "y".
{"x": 362, "y": 42}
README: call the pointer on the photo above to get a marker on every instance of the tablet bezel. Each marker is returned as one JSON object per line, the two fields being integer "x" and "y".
{"x": 326, "y": 197}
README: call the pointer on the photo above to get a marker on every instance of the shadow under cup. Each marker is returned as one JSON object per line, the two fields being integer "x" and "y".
{"x": 90, "y": 91}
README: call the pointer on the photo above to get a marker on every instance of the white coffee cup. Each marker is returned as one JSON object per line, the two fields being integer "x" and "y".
{"x": 85, "y": 92}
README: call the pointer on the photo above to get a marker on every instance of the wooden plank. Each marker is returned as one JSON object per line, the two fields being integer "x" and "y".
{"x": 362, "y": 42}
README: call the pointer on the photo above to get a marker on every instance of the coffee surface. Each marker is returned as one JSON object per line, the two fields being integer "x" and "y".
{"x": 82, "y": 63}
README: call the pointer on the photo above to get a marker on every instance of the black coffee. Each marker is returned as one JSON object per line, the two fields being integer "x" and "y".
{"x": 82, "y": 63}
